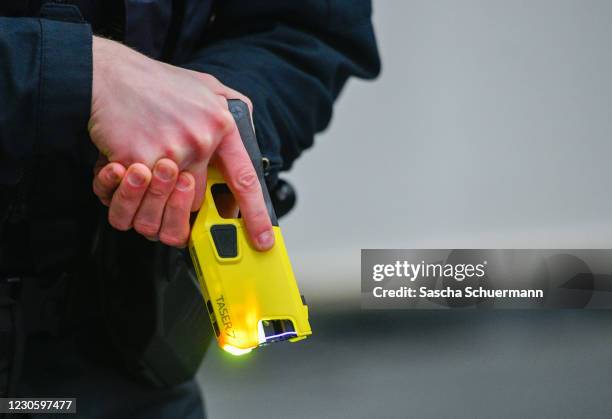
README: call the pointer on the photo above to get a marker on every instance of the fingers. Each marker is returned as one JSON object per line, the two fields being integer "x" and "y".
{"x": 149, "y": 216}
{"x": 107, "y": 180}
{"x": 157, "y": 205}
{"x": 237, "y": 169}
{"x": 175, "y": 226}
{"x": 126, "y": 200}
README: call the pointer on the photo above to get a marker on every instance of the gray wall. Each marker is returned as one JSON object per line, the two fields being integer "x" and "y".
{"x": 490, "y": 127}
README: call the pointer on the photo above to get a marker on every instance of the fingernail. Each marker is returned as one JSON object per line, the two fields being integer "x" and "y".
{"x": 184, "y": 183}
{"x": 163, "y": 172}
{"x": 136, "y": 178}
{"x": 265, "y": 240}
{"x": 113, "y": 176}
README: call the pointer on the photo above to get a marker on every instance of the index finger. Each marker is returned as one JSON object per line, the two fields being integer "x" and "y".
{"x": 232, "y": 159}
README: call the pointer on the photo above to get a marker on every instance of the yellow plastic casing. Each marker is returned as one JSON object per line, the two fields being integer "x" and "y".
{"x": 241, "y": 291}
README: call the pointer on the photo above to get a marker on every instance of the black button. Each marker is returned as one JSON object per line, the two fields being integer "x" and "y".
{"x": 226, "y": 240}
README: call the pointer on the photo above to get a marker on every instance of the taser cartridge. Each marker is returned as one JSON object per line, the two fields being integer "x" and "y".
{"x": 252, "y": 297}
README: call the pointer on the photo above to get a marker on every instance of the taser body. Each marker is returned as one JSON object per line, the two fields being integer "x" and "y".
{"x": 252, "y": 297}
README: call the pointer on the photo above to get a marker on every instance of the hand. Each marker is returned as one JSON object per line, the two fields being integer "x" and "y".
{"x": 157, "y": 204}
{"x": 144, "y": 111}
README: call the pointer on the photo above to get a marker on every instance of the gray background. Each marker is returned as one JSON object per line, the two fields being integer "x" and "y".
{"x": 489, "y": 128}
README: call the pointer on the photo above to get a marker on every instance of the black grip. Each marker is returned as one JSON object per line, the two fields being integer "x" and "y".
{"x": 242, "y": 116}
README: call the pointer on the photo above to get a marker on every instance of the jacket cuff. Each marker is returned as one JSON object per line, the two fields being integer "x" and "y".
{"x": 65, "y": 84}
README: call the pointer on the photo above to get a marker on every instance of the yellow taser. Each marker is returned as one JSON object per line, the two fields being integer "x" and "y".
{"x": 252, "y": 297}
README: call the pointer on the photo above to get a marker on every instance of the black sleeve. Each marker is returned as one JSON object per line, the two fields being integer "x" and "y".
{"x": 45, "y": 90}
{"x": 291, "y": 58}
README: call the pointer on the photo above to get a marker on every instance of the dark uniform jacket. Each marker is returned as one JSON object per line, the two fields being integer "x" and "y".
{"x": 292, "y": 59}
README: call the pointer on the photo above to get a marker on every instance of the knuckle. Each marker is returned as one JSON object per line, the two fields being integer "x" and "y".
{"x": 203, "y": 146}
{"x": 145, "y": 228}
{"x": 171, "y": 152}
{"x": 223, "y": 121}
{"x": 209, "y": 78}
{"x": 125, "y": 195}
{"x": 157, "y": 191}
{"x": 175, "y": 205}
{"x": 246, "y": 181}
